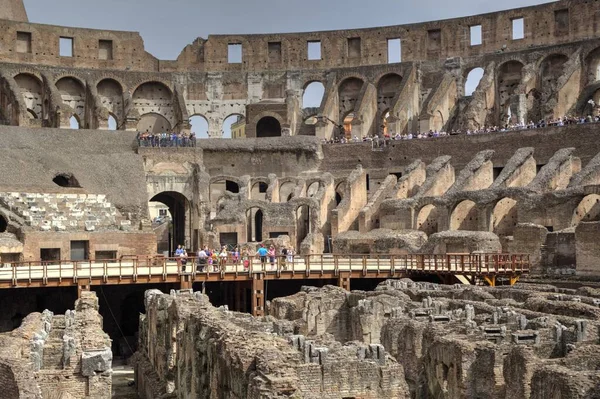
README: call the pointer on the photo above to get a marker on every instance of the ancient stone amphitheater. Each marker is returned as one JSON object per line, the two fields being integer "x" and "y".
{"x": 428, "y": 194}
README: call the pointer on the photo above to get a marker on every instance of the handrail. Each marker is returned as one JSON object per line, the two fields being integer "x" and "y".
{"x": 144, "y": 267}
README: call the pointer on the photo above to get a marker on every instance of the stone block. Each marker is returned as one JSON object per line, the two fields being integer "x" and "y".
{"x": 97, "y": 361}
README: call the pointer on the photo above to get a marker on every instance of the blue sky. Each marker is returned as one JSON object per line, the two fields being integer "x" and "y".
{"x": 167, "y": 26}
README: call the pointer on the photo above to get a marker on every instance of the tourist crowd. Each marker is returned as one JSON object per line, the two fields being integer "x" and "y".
{"x": 377, "y": 141}
{"x": 166, "y": 139}
{"x": 215, "y": 260}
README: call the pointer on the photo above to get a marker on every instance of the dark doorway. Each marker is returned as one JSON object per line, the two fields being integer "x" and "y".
{"x": 3, "y": 224}
{"x": 258, "y": 225}
{"x": 268, "y": 127}
{"x": 79, "y": 250}
{"x": 232, "y": 187}
{"x": 179, "y": 208}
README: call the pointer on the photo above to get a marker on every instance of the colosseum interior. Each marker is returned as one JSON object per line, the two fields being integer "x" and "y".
{"x": 435, "y": 216}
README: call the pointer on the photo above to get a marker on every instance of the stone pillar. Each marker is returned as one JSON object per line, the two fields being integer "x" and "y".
{"x": 258, "y": 295}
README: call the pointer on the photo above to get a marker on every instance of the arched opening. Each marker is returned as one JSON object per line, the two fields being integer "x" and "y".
{"x": 234, "y": 127}
{"x": 74, "y": 122}
{"x": 179, "y": 210}
{"x": 72, "y": 93}
{"x": 427, "y": 220}
{"x": 312, "y": 189}
{"x": 302, "y": 224}
{"x": 112, "y": 122}
{"x": 339, "y": 192}
{"x": 254, "y": 224}
{"x": 465, "y": 217}
{"x": 3, "y": 224}
{"x": 259, "y": 191}
{"x": 551, "y": 69}
{"x": 286, "y": 191}
{"x": 32, "y": 93}
{"x": 592, "y": 63}
{"x": 348, "y": 92}
{"x": 588, "y": 210}
{"x": 66, "y": 180}
{"x": 387, "y": 88}
{"x": 473, "y": 79}
{"x": 154, "y": 98}
{"x": 384, "y": 122}
{"x": 110, "y": 93}
{"x": 348, "y": 124}
{"x": 509, "y": 78}
{"x": 313, "y": 95}
{"x": 268, "y": 126}
{"x": 504, "y": 217}
{"x": 199, "y": 126}
{"x": 153, "y": 123}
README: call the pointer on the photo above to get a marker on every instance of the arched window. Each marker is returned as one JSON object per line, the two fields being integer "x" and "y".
{"x": 313, "y": 95}
{"x": 74, "y": 122}
{"x": 66, "y": 180}
{"x": 112, "y": 123}
{"x": 234, "y": 127}
{"x": 199, "y": 126}
{"x": 473, "y": 79}
{"x": 268, "y": 127}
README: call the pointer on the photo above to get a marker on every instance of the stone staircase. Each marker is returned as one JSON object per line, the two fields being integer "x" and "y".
{"x": 63, "y": 212}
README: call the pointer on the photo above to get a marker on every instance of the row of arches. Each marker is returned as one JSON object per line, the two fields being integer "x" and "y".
{"x": 465, "y": 216}
{"x": 504, "y": 216}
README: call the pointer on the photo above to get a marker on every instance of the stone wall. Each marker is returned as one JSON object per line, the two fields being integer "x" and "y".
{"x": 190, "y": 349}
{"x": 51, "y": 356}
{"x": 463, "y": 342}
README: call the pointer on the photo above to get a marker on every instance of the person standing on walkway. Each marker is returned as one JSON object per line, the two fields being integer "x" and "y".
{"x": 262, "y": 253}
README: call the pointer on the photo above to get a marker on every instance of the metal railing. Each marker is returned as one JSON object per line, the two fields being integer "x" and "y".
{"x": 163, "y": 269}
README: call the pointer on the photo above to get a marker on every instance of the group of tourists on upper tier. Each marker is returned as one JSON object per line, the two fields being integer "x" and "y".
{"x": 380, "y": 141}
{"x": 166, "y": 139}
{"x": 217, "y": 260}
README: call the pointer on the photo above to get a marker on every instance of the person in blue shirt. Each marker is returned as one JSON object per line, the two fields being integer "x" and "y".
{"x": 178, "y": 251}
{"x": 262, "y": 252}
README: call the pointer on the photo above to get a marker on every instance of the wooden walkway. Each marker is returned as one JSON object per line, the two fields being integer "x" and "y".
{"x": 451, "y": 268}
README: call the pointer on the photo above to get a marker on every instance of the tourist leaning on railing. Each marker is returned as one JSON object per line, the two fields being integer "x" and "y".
{"x": 166, "y": 139}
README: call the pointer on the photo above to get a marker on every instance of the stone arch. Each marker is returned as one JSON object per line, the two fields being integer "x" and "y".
{"x": 66, "y": 180}
{"x": 387, "y": 87}
{"x": 181, "y": 215}
{"x": 427, "y": 219}
{"x": 31, "y": 89}
{"x": 153, "y": 123}
{"x": 286, "y": 190}
{"x": 113, "y": 122}
{"x": 303, "y": 216}
{"x": 340, "y": 189}
{"x": 74, "y": 122}
{"x": 110, "y": 94}
{"x": 268, "y": 126}
{"x": 200, "y": 126}
{"x": 509, "y": 77}
{"x": 154, "y": 97}
{"x": 255, "y": 216}
{"x": 348, "y": 91}
{"x": 312, "y": 188}
{"x": 505, "y": 217}
{"x": 472, "y": 78}
{"x": 229, "y": 122}
{"x": 258, "y": 190}
{"x": 72, "y": 92}
{"x": 313, "y": 93}
{"x": 592, "y": 66}
{"x": 588, "y": 210}
{"x": 465, "y": 216}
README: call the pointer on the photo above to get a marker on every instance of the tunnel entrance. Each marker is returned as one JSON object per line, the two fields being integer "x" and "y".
{"x": 180, "y": 211}
{"x": 268, "y": 127}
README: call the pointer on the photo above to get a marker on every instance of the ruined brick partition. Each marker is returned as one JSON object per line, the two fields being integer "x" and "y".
{"x": 404, "y": 339}
{"x": 66, "y": 356}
